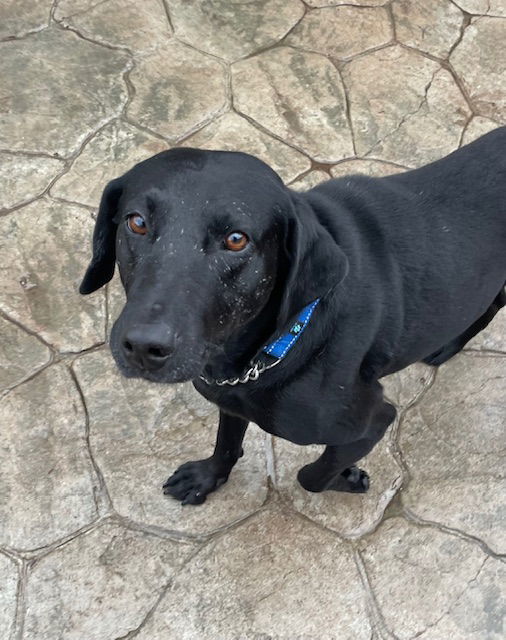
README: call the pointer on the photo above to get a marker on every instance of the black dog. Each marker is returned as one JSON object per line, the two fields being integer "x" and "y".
{"x": 348, "y": 282}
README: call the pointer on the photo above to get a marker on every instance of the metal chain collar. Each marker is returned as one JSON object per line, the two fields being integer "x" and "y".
{"x": 277, "y": 349}
{"x": 251, "y": 374}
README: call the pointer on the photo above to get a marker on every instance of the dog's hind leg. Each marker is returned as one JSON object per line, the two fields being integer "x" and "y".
{"x": 335, "y": 469}
{"x": 449, "y": 350}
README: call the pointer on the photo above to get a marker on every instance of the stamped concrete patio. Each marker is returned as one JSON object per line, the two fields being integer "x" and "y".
{"x": 90, "y": 549}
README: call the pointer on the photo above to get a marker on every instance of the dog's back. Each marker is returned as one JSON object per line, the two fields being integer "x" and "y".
{"x": 430, "y": 243}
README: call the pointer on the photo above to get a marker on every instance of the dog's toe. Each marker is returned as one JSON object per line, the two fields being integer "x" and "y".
{"x": 177, "y": 486}
{"x": 194, "y": 497}
{"x": 192, "y": 482}
{"x": 174, "y": 479}
{"x": 358, "y": 480}
{"x": 351, "y": 480}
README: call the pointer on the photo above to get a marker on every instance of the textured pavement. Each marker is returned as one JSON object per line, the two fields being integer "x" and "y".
{"x": 90, "y": 549}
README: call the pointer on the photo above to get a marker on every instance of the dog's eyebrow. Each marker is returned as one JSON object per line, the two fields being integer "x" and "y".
{"x": 231, "y": 209}
{"x": 150, "y": 203}
{"x": 220, "y": 224}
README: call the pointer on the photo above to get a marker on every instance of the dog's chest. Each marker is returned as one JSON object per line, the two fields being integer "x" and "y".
{"x": 251, "y": 405}
{"x": 292, "y": 417}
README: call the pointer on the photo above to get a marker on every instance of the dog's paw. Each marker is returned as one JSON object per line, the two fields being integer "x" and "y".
{"x": 351, "y": 480}
{"x": 193, "y": 481}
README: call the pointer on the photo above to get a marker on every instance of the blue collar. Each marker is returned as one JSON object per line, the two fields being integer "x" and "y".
{"x": 273, "y": 352}
{"x": 282, "y": 345}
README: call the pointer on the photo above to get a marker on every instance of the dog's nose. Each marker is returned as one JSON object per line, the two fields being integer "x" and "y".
{"x": 148, "y": 346}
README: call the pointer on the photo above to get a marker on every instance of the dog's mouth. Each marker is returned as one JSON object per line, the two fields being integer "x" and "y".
{"x": 168, "y": 374}
{"x": 178, "y": 368}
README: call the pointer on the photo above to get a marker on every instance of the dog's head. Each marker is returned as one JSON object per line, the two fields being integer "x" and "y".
{"x": 204, "y": 241}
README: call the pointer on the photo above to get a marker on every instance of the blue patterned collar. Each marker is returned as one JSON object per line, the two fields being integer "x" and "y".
{"x": 274, "y": 352}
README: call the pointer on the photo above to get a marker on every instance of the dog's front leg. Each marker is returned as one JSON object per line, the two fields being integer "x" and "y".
{"x": 194, "y": 480}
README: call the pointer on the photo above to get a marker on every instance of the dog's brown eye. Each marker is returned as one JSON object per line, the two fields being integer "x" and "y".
{"x": 236, "y": 241}
{"x": 137, "y": 224}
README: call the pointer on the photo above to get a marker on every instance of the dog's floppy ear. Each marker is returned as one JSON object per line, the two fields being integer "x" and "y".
{"x": 315, "y": 263}
{"x": 101, "y": 267}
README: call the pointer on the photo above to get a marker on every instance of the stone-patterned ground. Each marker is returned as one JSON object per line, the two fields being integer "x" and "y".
{"x": 89, "y": 547}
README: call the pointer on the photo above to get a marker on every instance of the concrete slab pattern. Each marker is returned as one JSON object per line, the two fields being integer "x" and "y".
{"x": 89, "y": 546}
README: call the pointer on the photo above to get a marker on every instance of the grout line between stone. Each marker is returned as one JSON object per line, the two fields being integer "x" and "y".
{"x": 343, "y": 62}
{"x": 300, "y": 176}
{"x": 73, "y": 203}
{"x": 73, "y": 156}
{"x": 228, "y": 89}
{"x": 261, "y": 128}
{"x": 466, "y": 21}
{"x": 168, "y": 16}
{"x": 134, "y": 632}
{"x": 172, "y": 141}
{"x": 390, "y": 12}
{"x": 394, "y": 437}
{"x": 28, "y": 378}
{"x": 484, "y": 353}
{"x": 473, "y": 15}
{"x": 24, "y": 35}
{"x": 451, "y": 605}
{"x": 125, "y": 118}
{"x": 397, "y": 453}
{"x": 75, "y": 355}
{"x": 460, "y": 85}
{"x": 343, "y": 4}
{"x": 464, "y": 130}
{"x": 35, "y": 554}
{"x": 19, "y": 616}
{"x": 101, "y": 496}
{"x": 410, "y": 516}
{"x": 61, "y": 24}
{"x": 32, "y": 154}
{"x": 160, "y": 532}
{"x": 68, "y": 164}
{"x": 56, "y": 356}
{"x": 270, "y": 459}
{"x": 281, "y": 41}
{"x": 287, "y": 505}
{"x": 424, "y": 54}
{"x": 52, "y": 10}
{"x": 30, "y": 332}
{"x": 130, "y": 87}
{"x": 411, "y": 114}
{"x": 181, "y": 536}
{"x": 446, "y": 64}
{"x": 375, "y": 614}
{"x": 203, "y": 52}
{"x": 4, "y": 212}
{"x": 70, "y": 160}
{"x": 178, "y": 140}
{"x": 369, "y": 158}
{"x": 347, "y": 105}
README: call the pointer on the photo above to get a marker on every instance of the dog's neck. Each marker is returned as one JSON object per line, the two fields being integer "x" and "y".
{"x": 243, "y": 345}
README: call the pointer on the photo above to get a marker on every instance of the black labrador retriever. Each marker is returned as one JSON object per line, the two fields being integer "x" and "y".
{"x": 286, "y": 308}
